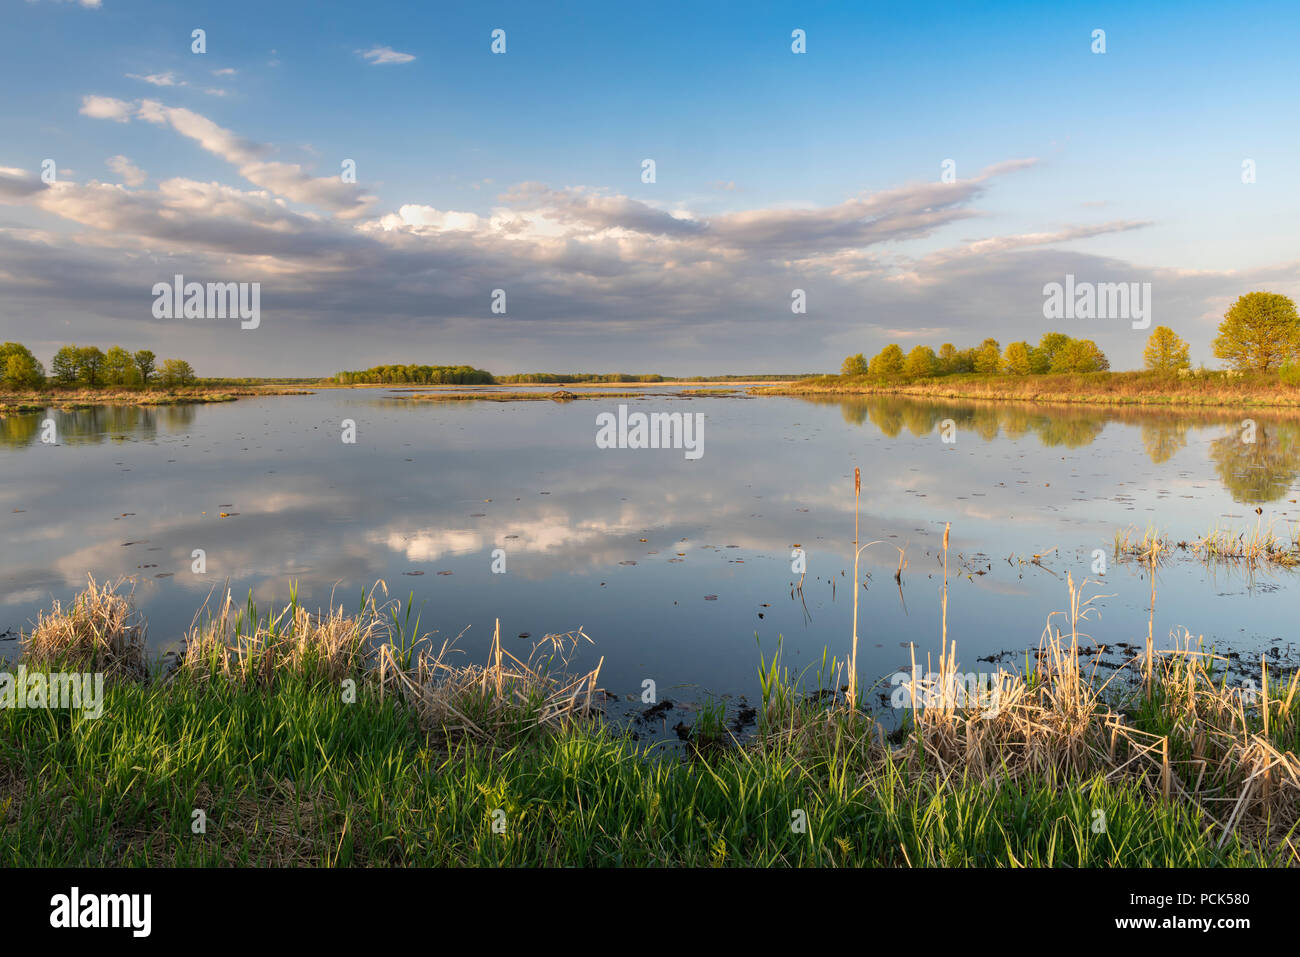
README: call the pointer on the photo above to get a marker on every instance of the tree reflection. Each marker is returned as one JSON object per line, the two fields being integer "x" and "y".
{"x": 1258, "y": 471}
{"x": 1163, "y": 440}
{"x": 19, "y": 430}
{"x": 1262, "y": 470}
{"x": 93, "y": 425}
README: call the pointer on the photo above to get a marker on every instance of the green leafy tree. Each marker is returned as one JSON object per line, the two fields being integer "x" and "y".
{"x": 1041, "y": 358}
{"x": 19, "y": 368}
{"x": 119, "y": 367}
{"x": 1016, "y": 359}
{"x": 988, "y": 357}
{"x": 1260, "y": 331}
{"x": 854, "y": 365}
{"x": 90, "y": 366}
{"x": 144, "y": 360}
{"x": 64, "y": 366}
{"x": 176, "y": 372}
{"x": 947, "y": 359}
{"x": 1165, "y": 352}
{"x": 887, "y": 363}
{"x": 1080, "y": 355}
{"x": 921, "y": 363}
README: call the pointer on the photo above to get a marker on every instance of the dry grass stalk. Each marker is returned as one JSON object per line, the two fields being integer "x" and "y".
{"x": 100, "y": 633}
{"x": 330, "y": 645}
{"x": 501, "y": 700}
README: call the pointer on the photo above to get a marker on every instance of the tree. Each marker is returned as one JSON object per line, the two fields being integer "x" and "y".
{"x": 1016, "y": 359}
{"x": 1165, "y": 352}
{"x": 1080, "y": 355}
{"x": 119, "y": 367}
{"x": 988, "y": 357}
{"x": 1040, "y": 359}
{"x": 889, "y": 362}
{"x": 1260, "y": 331}
{"x": 854, "y": 365}
{"x": 19, "y": 368}
{"x": 144, "y": 363}
{"x": 947, "y": 359}
{"x": 90, "y": 366}
{"x": 176, "y": 372}
{"x": 921, "y": 363}
{"x": 64, "y": 366}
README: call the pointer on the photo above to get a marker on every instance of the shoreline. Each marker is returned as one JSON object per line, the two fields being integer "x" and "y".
{"x": 1100, "y": 389}
{"x": 334, "y": 739}
{"x": 21, "y": 402}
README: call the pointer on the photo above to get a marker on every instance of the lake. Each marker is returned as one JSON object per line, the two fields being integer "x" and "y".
{"x": 678, "y": 568}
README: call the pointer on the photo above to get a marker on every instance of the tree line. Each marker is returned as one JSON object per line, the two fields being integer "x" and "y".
{"x": 1055, "y": 352}
{"x": 1260, "y": 332}
{"x": 91, "y": 367}
{"x": 417, "y": 375}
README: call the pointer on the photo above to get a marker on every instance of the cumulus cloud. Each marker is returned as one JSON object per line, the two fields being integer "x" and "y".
{"x": 17, "y": 183}
{"x": 106, "y": 108}
{"x": 582, "y": 265}
{"x": 131, "y": 174}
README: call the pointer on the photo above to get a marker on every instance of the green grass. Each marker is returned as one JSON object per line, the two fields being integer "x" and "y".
{"x": 293, "y": 775}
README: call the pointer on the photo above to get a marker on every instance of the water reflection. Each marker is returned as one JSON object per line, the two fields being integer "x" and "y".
{"x": 97, "y": 424}
{"x": 1262, "y": 470}
{"x": 674, "y": 567}
{"x": 1254, "y": 466}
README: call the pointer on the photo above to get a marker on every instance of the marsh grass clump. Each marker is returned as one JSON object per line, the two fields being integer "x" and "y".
{"x": 100, "y": 632}
{"x": 1151, "y": 547}
{"x": 1258, "y": 546}
{"x": 1251, "y": 548}
{"x": 502, "y": 702}
{"x": 239, "y": 644}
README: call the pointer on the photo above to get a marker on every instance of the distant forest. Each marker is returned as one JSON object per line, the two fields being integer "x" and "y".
{"x": 468, "y": 375}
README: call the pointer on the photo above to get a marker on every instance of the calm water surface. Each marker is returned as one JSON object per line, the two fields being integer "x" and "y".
{"x": 629, "y": 545}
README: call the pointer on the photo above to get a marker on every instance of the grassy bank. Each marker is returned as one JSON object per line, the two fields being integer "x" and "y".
{"x": 36, "y": 400}
{"x": 338, "y": 739}
{"x": 1107, "y": 388}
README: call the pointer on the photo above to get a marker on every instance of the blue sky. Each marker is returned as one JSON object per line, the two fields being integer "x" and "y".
{"x": 522, "y": 171}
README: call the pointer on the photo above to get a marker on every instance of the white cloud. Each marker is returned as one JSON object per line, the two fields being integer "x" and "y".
{"x": 106, "y": 108}
{"x": 286, "y": 179}
{"x": 382, "y": 55}
{"x": 583, "y": 264}
{"x": 131, "y": 174}
{"x": 159, "y": 79}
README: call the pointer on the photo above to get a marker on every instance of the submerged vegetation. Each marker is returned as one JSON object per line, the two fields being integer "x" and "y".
{"x": 1255, "y": 547}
